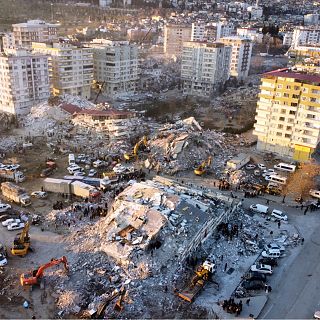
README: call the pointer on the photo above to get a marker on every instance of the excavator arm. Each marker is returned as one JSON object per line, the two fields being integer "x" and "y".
{"x": 201, "y": 169}
{"x": 33, "y": 277}
{"x": 136, "y": 147}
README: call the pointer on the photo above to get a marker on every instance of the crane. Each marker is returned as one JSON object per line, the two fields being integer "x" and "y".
{"x": 34, "y": 277}
{"x": 134, "y": 154}
{"x": 21, "y": 243}
{"x": 201, "y": 169}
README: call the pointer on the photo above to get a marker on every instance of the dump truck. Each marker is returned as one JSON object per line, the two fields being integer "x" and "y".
{"x": 15, "y": 193}
{"x": 11, "y": 175}
{"x": 202, "y": 275}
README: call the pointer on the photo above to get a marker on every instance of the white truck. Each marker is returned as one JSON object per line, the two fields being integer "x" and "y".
{"x": 238, "y": 162}
{"x": 65, "y": 186}
{"x": 11, "y": 175}
{"x": 15, "y": 194}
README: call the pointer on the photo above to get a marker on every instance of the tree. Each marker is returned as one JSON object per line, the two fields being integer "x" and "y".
{"x": 302, "y": 180}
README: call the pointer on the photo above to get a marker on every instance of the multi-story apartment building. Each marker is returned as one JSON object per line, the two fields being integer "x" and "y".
{"x": 204, "y": 67}
{"x": 241, "y": 55}
{"x": 303, "y": 54}
{"x": 7, "y": 41}
{"x": 288, "y": 114}
{"x": 24, "y": 79}
{"x": 198, "y": 31}
{"x": 71, "y": 67}
{"x": 116, "y": 66}
{"x": 34, "y": 31}
{"x": 305, "y": 36}
{"x": 311, "y": 19}
{"x": 216, "y": 30}
{"x": 174, "y": 36}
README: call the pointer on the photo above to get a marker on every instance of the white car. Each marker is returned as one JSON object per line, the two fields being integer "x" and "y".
{"x": 268, "y": 172}
{"x": 15, "y": 226}
{"x": 119, "y": 168}
{"x": 250, "y": 166}
{"x": 256, "y": 172}
{"x": 9, "y": 221}
{"x": 92, "y": 173}
{"x": 273, "y": 245}
{"x": 39, "y": 194}
{"x": 279, "y": 215}
{"x": 79, "y": 173}
{"x": 261, "y": 166}
{"x": 261, "y": 268}
{"x": 4, "y": 207}
{"x": 98, "y": 163}
{"x": 3, "y": 260}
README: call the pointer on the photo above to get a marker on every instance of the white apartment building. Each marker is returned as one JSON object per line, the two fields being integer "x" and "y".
{"x": 71, "y": 67}
{"x": 311, "y": 19}
{"x": 34, "y": 31}
{"x": 216, "y": 30}
{"x": 24, "y": 79}
{"x": 241, "y": 55}
{"x": 250, "y": 33}
{"x": 288, "y": 114}
{"x": 287, "y": 38}
{"x": 204, "y": 67}
{"x": 305, "y": 36}
{"x": 116, "y": 66}
{"x": 198, "y": 31}
{"x": 174, "y": 37}
{"x": 7, "y": 41}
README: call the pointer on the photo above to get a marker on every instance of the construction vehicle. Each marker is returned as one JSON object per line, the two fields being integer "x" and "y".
{"x": 202, "y": 275}
{"x": 15, "y": 193}
{"x": 17, "y": 176}
{"x": 134, "y": 154}
{"x": 199, "y": 171}
{"x": 21, "y": 242}
{"x": 34, "y": 277}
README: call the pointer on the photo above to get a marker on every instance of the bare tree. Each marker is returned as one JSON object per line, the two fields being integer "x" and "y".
{"x": 302, "y": 180}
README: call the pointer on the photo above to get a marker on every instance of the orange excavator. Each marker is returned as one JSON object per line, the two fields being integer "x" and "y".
{"x": 34, "y": 277}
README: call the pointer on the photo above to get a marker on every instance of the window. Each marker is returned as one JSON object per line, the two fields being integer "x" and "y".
{"x": 281, "y": 119}
{"x": 287, "y": 135}
{"x": 292, "y": 112}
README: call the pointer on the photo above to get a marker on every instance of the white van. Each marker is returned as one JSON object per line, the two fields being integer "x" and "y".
{"x": 259, "y": 208}
{"x": 314, "y": 193}
{"x": 285, "y": 167}
{"x": 71, "y": 159}
{"x": 277, "y": 179}
{"x": 271, "y": 253}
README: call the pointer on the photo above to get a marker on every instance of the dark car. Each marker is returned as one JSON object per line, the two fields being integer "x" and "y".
{"x": 256, "y": 276}
{"x": 46, "y": 172}
{"x": 253, "y": 285}
{"x": 271, "y": 262}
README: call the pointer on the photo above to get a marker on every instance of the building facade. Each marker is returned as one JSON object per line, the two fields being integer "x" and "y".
{"x": 71, "y": 67}
{"x": 216, "y": 30}
{"x": 198, "y": 31}
{"x": 34, "y": 31}
{"x": 24, "y": 79}
{"x": 241, "y": 55}
{"x": 116, "y": 66}
{"x": 288, "y": 114}
{"x": 174, "y": 36}
{"x": 204, "y": 67}
{"x": 305, "y": 36}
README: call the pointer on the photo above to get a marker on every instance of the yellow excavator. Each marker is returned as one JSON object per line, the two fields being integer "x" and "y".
{"x": 134, "y": 154}
{"x": 202, "y": 168}
{"x": 21, "y": 243}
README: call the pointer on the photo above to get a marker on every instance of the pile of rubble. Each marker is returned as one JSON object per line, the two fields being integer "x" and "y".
{"x": 183, "y": 145}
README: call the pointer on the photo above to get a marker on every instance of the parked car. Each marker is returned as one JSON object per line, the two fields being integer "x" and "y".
{"x": 4, "y": 217}
{"x": 9, "y": 221}
{"x": 79, "y": 173}
{"x": 279, "y": 215}
{"x": 271, "y": 262}
{"x": 262, "y": 268}
{"x": 92, "y": 173}
{"x": 256, "y": 276}
{"x": 261, "y": 166}
{"x": 98, "y": 164}
{"x": 259, "y": 208}
{"x": 250, "y": 166}
{"x": 3, "y": 260}
{"x": 15, "y": 226}
{"x": 119, "y": 168}
{"x": 39, "y": 194}
{"x": 272, "y": 253}
{"x": 274, "y": 245}
{"x": 4, "y": 207}
{"x": 46, "y": 172}
{"x": 253, "y": 285}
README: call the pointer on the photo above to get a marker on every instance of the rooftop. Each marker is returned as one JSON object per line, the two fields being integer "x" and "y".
{"x": 288, "y": 73}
